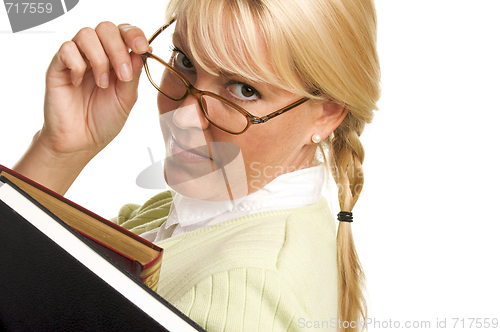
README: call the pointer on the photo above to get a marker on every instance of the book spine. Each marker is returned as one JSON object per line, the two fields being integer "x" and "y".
{"x": 150, "y": 275}
{"x": 129, "y": 264}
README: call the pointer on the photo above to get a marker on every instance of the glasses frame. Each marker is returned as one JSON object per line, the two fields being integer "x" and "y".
{"x": 190, "y": 89}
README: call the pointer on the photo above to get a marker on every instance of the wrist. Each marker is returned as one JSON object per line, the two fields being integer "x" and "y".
{"x": 54, "y": 170}
{"x": 53, "y": 156}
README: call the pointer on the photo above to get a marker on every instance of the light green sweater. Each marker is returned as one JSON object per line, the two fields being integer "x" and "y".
{"x": 271, "y": 271}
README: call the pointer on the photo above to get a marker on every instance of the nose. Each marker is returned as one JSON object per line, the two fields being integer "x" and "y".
{"x": 189, "y": 115}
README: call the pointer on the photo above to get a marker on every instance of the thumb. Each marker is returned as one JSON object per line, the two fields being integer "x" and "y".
{"x": 136, "y": 65}
{"x": 127, "y": 91}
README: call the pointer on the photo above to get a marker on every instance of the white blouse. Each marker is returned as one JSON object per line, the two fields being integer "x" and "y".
{"x": 291, "y": 190}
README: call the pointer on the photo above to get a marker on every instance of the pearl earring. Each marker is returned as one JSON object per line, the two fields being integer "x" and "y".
{"x": 316, "y": 138}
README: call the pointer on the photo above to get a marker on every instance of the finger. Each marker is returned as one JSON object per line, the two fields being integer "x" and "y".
{"x": 69, "y": 57}
{"x": 134, "y": 38}
{"x": 88, "y": 43}
{"x": 115, "y": 48}
{"x": 136, "y": 64}
{"x": 127, "y": 91}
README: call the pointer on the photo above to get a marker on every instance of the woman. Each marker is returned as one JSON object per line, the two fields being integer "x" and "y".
{"x": 250, "y": 103}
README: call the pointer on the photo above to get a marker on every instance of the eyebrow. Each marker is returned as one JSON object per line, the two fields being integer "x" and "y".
{"x": 182, "y": 47}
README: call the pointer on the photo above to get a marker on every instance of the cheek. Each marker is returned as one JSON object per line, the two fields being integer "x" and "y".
{"x": 264, "y": 146}
{"x": 166, "y": 104}
{"x": 275, "y": 138}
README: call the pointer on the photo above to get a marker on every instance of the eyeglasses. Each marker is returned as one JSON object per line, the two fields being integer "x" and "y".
{"x": 229, "y": 116}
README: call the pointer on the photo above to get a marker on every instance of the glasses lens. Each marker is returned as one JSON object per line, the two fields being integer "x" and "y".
{"x": 165, "y": 79}
{"x": 224, "y": 115}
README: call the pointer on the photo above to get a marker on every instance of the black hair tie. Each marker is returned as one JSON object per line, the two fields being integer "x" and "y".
{"x": 344, "y": 216}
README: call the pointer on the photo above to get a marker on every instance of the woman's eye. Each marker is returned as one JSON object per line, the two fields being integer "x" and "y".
{"x": 180, "y": 60}
{"x": 243, "y": 91}
{"x": 186, "y": 63}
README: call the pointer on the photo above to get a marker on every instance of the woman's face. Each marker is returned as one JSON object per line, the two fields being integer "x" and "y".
{"x": 205, "y": 162}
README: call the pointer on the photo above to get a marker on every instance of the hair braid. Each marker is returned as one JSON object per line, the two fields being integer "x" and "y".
{"x": 346, "y": 154}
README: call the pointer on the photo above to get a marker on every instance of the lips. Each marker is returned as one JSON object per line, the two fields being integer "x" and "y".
{"x": 195, "y": 155}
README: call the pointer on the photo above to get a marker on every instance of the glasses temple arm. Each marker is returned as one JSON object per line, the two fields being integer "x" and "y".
{"x": 160, "y": 30}
{"x": 263, "y": 119}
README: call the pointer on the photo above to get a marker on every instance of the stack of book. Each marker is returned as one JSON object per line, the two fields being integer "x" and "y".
{"x": 66, "y": 269}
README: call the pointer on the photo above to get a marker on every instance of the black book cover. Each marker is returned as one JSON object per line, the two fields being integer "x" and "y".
{"x": 44, "y": 288}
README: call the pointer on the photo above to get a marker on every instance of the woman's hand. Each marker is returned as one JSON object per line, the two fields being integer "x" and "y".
{"x": 91, "y": 86}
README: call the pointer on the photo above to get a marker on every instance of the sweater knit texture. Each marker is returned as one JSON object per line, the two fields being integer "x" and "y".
{"x": 269, "y": 271}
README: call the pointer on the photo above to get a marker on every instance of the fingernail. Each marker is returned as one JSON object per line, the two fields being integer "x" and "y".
{"x": 141, "y": 44}
{"x": 104, "y": 80}
{"x": 78, "y": 81}
{"x": 125, "y": 26}
{"x": 126, "y": 72}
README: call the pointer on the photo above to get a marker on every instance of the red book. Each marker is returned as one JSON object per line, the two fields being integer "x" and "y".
{"x": 136, "y": 255}
{"x": 54, "y": 278}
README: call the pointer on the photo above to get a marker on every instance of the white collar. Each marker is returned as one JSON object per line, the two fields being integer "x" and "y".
{"x": 291, "y": 190}
{"x": 299, "y": 188}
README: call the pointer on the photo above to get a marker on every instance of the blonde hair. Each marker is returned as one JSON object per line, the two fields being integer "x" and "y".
{"x": 323, "y": 49}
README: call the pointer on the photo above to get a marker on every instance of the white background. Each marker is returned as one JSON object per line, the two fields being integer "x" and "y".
{"x": 426, "y": 226}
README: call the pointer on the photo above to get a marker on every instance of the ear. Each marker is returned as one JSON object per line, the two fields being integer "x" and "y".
{"x": 329, "y": 119}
